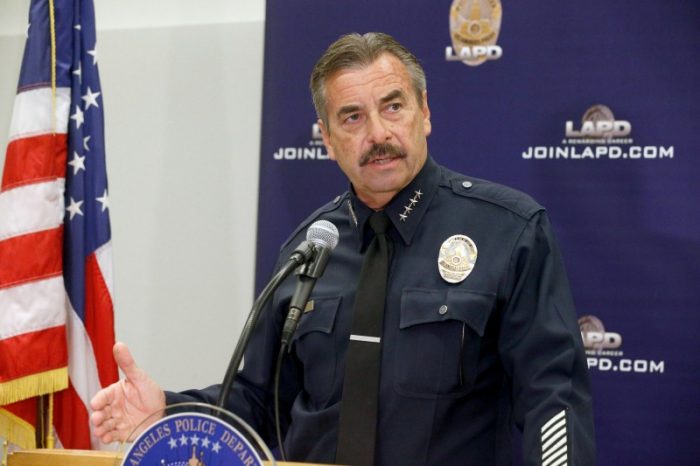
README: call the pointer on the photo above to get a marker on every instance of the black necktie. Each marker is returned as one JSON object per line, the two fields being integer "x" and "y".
{"x": 358, "y": 414}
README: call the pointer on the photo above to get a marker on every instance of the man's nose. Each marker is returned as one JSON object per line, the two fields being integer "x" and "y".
{"x": 379, "y": 132}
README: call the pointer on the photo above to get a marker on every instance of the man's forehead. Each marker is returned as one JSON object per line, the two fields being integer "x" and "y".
{"x": 386, "y": 75}
{"x": 384, "y": 64}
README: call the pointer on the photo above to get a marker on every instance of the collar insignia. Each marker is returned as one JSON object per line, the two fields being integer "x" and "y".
{"x": 352, "y": 213}
{"x": 407, "y": 209}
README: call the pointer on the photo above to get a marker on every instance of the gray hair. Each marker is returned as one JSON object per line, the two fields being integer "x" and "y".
{"x": 354, "y": 51}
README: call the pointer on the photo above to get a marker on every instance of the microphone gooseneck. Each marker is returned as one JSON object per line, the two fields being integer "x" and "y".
{"x": 323, "y": 236}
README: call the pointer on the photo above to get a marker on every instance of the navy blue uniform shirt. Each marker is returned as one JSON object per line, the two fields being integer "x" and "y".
{"x": 461, "y": 362}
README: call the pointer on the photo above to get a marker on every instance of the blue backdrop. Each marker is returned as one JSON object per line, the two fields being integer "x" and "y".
{"x": 590, "y": 107}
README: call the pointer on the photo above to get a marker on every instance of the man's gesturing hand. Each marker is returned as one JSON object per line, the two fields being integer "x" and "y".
{"x": 119, "y": 408}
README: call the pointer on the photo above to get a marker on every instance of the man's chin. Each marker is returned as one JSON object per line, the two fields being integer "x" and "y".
{"x": 388, "y": 181}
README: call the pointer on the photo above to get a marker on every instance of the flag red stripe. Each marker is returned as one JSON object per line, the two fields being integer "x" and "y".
{"x": 71, "y": 420}
{"x": 33, "y": 159}
{"x": 25, "y": 410}
{"x": 99, "y": 321}
{"x": 31, "y": 257}
{"x": 24, "y": 354}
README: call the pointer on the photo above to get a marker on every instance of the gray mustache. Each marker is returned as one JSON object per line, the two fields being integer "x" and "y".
{"x": 378, "y": 150}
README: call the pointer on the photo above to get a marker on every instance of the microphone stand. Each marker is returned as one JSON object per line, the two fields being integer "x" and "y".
{"x": 308, "y": 274}
{"x": 300, "y": 256}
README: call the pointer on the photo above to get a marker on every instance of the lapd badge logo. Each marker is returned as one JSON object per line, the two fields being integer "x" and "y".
{"x": 595, "y": 337}
{"x": 191, "y": 439}
{"x": 474, "y": 29}
{"x": 456, "y": 258}
{"x": 599, "y": 122}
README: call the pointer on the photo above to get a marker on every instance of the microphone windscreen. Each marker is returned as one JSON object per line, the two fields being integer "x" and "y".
{"x": 323, "y": 233}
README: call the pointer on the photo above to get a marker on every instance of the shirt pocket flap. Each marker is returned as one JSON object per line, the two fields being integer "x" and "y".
{"x": 321, "y": 317}
{"x": 423, "y": 306}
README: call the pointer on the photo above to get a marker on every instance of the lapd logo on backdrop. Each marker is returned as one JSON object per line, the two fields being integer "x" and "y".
{"x": 313, "y": 150}
{"x": 604, "y": 350}
{"x": 191, "y": 439}
{"x": 474, "y": 28}
{"x": 598, "y": 135}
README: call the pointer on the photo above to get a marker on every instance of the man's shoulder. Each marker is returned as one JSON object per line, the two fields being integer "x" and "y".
{"x": 498, "y": 195}
{"x": 322, "y": 212}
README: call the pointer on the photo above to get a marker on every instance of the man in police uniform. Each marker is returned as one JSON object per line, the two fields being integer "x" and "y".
{"x": 479, "y": 330}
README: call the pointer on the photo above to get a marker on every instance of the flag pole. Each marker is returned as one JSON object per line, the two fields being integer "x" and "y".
{"x": 50, "y": 440}
{"x": 3, "y": 458}
{"x": 52, "y": 24}
{"x": 40, "y": 425}
{"x": 44, "y": 415}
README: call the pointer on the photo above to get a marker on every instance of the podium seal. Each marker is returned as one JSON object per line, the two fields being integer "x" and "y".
{"x": 191, "y": 439}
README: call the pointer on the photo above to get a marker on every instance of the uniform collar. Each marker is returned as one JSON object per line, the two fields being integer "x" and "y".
{"x": 405, "y": 210}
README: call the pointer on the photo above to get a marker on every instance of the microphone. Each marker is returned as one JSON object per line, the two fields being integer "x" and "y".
{"x": 310, "y": 258}
{"x": 322, "y": 235}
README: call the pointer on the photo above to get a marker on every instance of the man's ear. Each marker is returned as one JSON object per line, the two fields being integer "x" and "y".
{"x": 427, "y": 125}
{"x": 326, "y": 139}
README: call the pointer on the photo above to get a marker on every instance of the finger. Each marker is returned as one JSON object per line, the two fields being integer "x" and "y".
{"x": 105, "y": 428}
{"x": 108, "y": 437}
{"x": 102, "y": 398}
{"x": 125, "y": 361}
{"x": 104, "y": 438}
{"x": 98, "y": 417}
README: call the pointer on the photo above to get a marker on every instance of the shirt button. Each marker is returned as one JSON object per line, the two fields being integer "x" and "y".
{"x": 467, "y": 184}
{"x": 443, "y": 310}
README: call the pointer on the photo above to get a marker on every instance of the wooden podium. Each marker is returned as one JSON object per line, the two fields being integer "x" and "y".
{"x": 82, "y": 458}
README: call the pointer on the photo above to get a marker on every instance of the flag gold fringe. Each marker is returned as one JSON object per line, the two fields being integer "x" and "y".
{"x": 16, "y": 430}
{"x": 33, "y": 385}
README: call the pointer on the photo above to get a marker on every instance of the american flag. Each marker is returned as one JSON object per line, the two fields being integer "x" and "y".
{"x": 56, "y": 315}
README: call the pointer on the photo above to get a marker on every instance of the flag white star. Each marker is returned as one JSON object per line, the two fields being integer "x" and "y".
{"x": 77, "y": 27}
{"x": 86, "y": 140}
{"x": 93, "y": 52}
{"x": 104, "y": 200}
{"x": 79, "y": 73}
{"x": 78, "y": 117}
{"x": 172, "y": 442}
{"x": 205, "y": 442}
{"x": 74, "y": 208}
{"x": 216, "y": 447}
{"x": 183, "y": 440}
{"x": 78, "y": 163}
{"x": 194, "y": 439}
{"x": 91, "y": 98}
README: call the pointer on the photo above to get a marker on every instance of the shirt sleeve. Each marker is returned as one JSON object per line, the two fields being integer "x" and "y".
{"x": 542, "y": 352}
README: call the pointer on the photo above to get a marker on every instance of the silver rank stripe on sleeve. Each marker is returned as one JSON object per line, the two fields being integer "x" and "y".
{"x": 555, "y": 441}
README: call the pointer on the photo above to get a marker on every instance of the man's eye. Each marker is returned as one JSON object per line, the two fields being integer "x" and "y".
{"x": 394, "y": 107}
{"x": 353, "y": 117}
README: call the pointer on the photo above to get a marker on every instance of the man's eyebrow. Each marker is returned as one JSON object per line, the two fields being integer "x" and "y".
{"x": 393, "y": 95}
{"x": 352, "y": 108}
